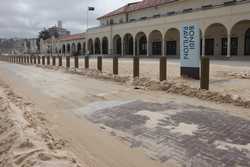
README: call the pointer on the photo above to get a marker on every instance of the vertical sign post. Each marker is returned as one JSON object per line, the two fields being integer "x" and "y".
{"x": 190, "y": 51}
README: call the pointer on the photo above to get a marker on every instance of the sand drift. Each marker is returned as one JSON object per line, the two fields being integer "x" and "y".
{"x": 23, "y": 139}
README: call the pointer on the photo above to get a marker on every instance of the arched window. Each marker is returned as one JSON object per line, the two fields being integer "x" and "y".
{"x": 247, "y": 42}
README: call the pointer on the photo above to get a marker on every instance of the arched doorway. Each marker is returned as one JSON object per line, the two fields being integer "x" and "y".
{"x": 68, "y": 48}
{"x": 105, "y": 45}
{"x": 84, "y": 48}
{"x": 155, "y": 43}
{"x": 128, "y": 43}
{"x": 117, "y": 45}
{"x": 240, "y": 39}
{"x": 90, "y": 47}
{"x": 172, "y": 42}
{"x": 73, "y": 48}
{"x": 247, "y": 43}
{"x": 97, "y": 46}
{"x": 216, "y": 40}
{"x": 141, "y": 44}
{"x": 79, "y": 48}
{"x": 63, "y": 49}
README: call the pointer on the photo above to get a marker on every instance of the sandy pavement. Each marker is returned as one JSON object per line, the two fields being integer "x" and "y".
{"x": 224, "y": 77}
{"x": 60, "y": 97}
{"x": 24, "y": 138}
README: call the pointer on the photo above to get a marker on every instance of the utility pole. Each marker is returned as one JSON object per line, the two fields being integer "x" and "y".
{"x": 87, "y": 26}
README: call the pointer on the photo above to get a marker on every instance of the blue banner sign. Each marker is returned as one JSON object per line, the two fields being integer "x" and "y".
{"x": 190, "y": 50}
{"x": 190, "y": 45}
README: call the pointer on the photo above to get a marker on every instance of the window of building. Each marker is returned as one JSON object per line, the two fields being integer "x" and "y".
{"x": 171, "y": 13}
{"x": 156, "y": 48}
{"x": 233, "y": 48}
{"x": 121, "y": 20}
{"x": 156, "y": 15}
{"x": 187, "y": 10}
{"x": 171, "y": 47}
{"x": 207, "y": 6}
{"x": 111, "y": 21}
{"x": 143, "y": 18}
{"x": 230, "y": 2}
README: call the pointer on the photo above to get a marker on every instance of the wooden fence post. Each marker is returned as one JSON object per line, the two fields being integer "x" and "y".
{"x": 59, "y": 60}
{"x": 53, "y": 60}
{"x": 136, "y": 66}
{"x": 99, "y": 63}
{"x": 163, "y": 68}
{"x": 76, "y": 61}
{"x": 48, "y": 60}
{"x": 68, "y": 61}
{"x": 115, "y": 65}
{"x": 205, "y": 70}
{"x": 86, "y": 62}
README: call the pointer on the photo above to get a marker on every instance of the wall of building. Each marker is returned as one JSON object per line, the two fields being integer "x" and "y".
{"x": 177, "y": 6}
{"x": 228, "y": 16}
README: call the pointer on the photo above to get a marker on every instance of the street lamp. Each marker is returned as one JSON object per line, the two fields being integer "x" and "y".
{"x": 89, "y": 9}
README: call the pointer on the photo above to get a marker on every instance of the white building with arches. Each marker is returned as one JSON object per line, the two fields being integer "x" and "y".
{"x": 152, "y": 28}
{"x": 66, "y": 45}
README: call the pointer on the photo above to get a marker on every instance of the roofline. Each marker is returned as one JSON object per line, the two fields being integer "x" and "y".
{"x": 102, "y": 17}
{"x": 67, "y": 37}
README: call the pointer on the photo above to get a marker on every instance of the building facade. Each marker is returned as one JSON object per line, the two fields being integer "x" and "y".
{"x": 66, "y": 45}
{"x": 152, "y": 28}
{"x": 31, "y": 45}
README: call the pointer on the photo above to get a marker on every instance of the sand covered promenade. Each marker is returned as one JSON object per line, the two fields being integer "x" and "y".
{"x": 24, "y": 138}
{"x": 84, "y": 117}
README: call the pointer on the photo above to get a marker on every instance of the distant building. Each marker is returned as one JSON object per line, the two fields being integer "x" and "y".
{"x": 58, "y": 31}
{"x": 69, "y": 44}
{"x": 12, "y": 46}
{"x": 31, "y": 45}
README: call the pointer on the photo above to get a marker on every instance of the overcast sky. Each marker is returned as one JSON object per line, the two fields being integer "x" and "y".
{"x": 25, "y": 18}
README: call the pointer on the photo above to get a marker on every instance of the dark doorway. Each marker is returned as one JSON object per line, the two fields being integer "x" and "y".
{"x": 224, "y": 46}
{"x": 234, "y": 46}
{"x": 105, "y": 45}
{"x": 247, "y": 43}
{"x": 143, "y": 45}
{"x": 128, "y": 44}
{"x": 119, "y": 46}
{"x": 209, "y": 47}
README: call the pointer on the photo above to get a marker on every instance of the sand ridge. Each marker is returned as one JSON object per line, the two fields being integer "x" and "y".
{"x": 169, "y": 86}
{"x": 24, "y": 140}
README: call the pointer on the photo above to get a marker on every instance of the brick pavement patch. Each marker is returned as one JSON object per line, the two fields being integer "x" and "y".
{"x": 190, "y": 135}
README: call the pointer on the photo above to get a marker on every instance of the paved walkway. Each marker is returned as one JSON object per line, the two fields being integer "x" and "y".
{"x": 171, "y": 130}
{"x": 189, "y": 135}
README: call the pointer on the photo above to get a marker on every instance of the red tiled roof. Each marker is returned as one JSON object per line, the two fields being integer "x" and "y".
{"x": 137, "y": 6}
{"x": 72, "y": 37}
